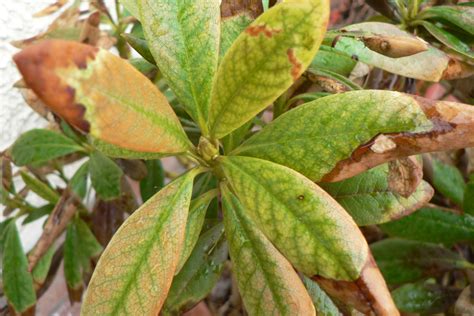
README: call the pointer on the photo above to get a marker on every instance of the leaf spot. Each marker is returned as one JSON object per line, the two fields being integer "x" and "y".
{"x": 256, "y": 30}
{"x": 301, "y": 197}
{"x": 383, "y": 144}
{"x": 296, "y": 66}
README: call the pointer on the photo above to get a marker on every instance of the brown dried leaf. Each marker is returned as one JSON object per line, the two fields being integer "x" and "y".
{"x": 368, "y": 294}
{"x": 231, "y": 8}
{"x": 66, "y": 20}
{"x": 405, "y": 175}
{"x": 457, "y": 70}
{"x": 52, "y": 8}
{"x": 90, "y": 33}
{"x": 453, "y": 128}
{"x": 395, "y": 46}
{"x": 465, "y": 303}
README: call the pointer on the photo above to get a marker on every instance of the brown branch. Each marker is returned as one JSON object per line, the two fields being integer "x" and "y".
{"x": 54, "y": 227}
{"x": 453, "y": 128}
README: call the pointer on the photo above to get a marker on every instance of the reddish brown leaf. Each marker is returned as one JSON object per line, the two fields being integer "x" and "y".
{"x": 368, "y": 294}
{"x": 231, "y": 8}
{"x": 38, "y": 63}
{"x": 405, "y": 175}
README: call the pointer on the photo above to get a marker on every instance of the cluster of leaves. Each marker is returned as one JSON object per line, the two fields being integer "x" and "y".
{"x": 293, "y": 203}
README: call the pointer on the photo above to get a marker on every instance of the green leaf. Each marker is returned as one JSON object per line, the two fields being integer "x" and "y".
{"x": 322, "y": 302}
{"x": 267, "y": 282}
{"x": 314, "y": 137}
{"x": 39, "y": 187}
{"x": 369, "y": 200}
{"x": 74, "y": 81}
{"x": 17, "y": 281}
{"x": 424, "y": 297}
{"x": 264, "y": 61}
{"x": 80, "y": 246}
{"x": 463, "y": 17}
{"x": 154, "y": 180}
{"x": 136, "y": 269}
{"x": 78, "y": 182}
{"x": 200, "y": 273}
{"x": 429, "y": 65}
{"x": 404, "y": 261}
{"x": 140, "y": 45}
{"x": 39, "y": 146}
{"x": 41, "y": 269}
{"x": 331, "y": 59}
{"x": 234, "y": 139}
{"x": 183, "y": 37}
{"x": 105, "y": 176}
{"x": 306, "y": 225}
{"x": 432, "y": 225}
{"x": 132, "y": 7}
{"x": 449, "y": 181}
{"x": 448, "y": 39}
{"x": 197, "y": 214}
{"x": 468, "y": 199}
{"x": 38, "y": 213}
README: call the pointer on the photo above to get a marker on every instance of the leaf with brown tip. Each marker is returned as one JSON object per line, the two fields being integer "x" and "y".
{"x": 339, "y": 136}
{"x": 368, "y": 294}
{"x": 100, "y": 93}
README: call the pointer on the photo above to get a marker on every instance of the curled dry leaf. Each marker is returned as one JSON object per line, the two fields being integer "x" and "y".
{"x": 395, "y": 46}
{"x": 405, "y": 175}
{"x": 368, "y": 294}
{"x": 453, "y": 128}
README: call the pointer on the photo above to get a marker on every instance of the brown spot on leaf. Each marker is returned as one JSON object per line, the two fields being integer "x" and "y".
{"x": 38, "y": 64}
{"x": 457, "y": 70}
{"x": 453, "y": 128}
{"x": 368, "y": 294}
{"x": 256, "y": 30}
{"x": 404, "y": 175}
{"x": 296, "y": 66}
{"x": 230, "y": 8}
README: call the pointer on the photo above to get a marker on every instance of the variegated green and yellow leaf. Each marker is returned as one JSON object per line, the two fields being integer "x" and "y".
{"x": 305, "y": 223}
{"x": 267, "y": 282}
{"x": 197, "y": 215}
{"x": 339, "y": 136}
{"x": 368, "y": 198}
{"x": 183, "y": 37}
{"x": 265, "y": 60}
{"x": 100, "y": 93}
{"x": 135, "y": 271}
